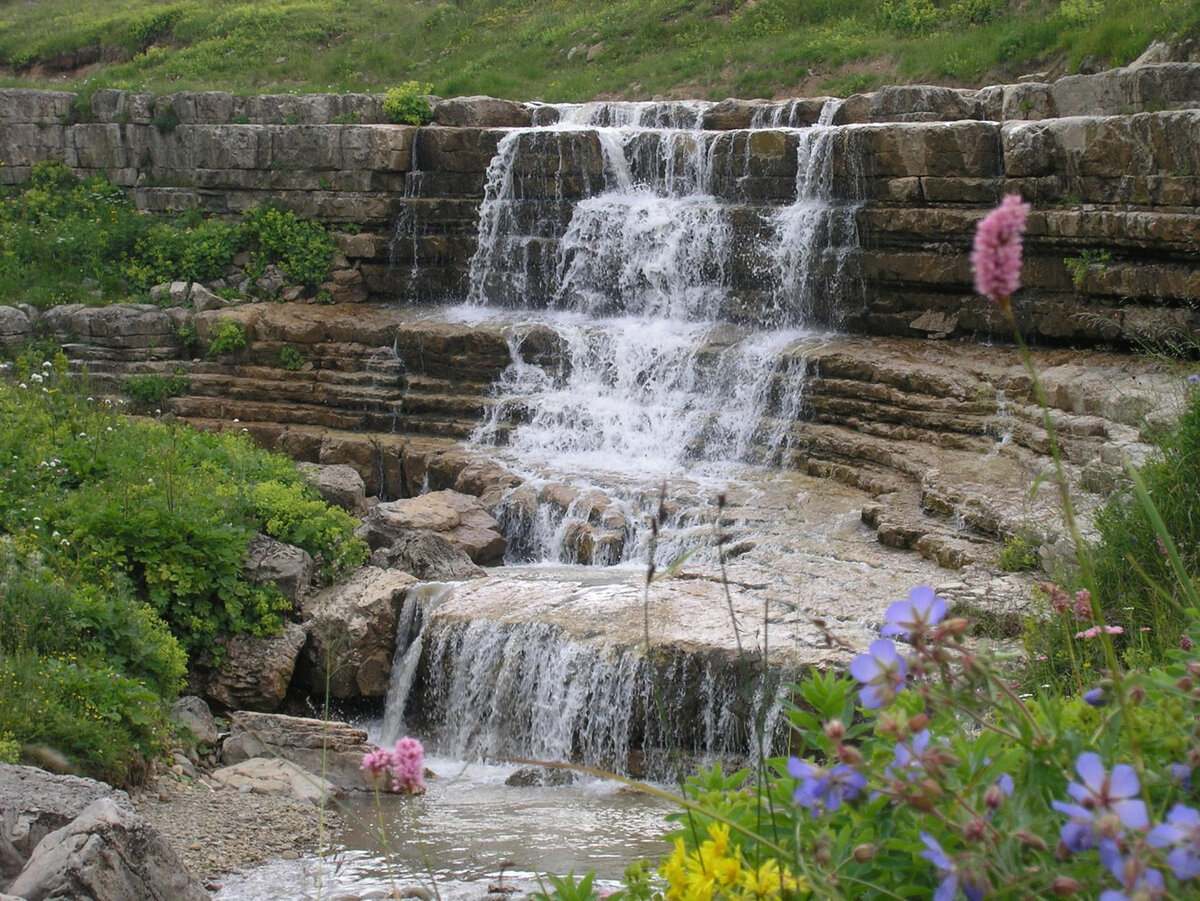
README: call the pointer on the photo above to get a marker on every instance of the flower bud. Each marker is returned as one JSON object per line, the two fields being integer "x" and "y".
{"x": 850, "y": 755}
{"x": 863, "y": 853}
{"x": 1193, "y": 667}
{"x": 975, "y": 830}
{"x": 1184, "y": 683}
{"x": 1137, "y": 694}
{"x": 993, "y": 797}
{"x": 956, "y": 627}
{"x": 822, "y": 855}
{"x": 835, "y": 730}
{"x": 918, "y": 722}
{"x": 1064, "y": 886}
{"x": 1034, "y": 841}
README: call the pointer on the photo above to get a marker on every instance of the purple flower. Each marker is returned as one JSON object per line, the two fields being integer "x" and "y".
{"x": 805, "y": 794}
{"x": 1194, "y": 379}
{"x": 1006, "y": 784}
{"x": 917, "y": 615}
{"x": 906, "y": 762}
{"x": 1181, "y": 774}
{"x": 1104, "y": 803}
{"x": 997, "y": 254}
{"x": 950, "y": 873}
{"x": 1095, "y": 697}
{"x": 1140, "y": 883}
{"x": 882, "y": 672}
{"x": 824, "y": 789}
{"x": 1182, "y": 829}
{"x": 405, "y": 764}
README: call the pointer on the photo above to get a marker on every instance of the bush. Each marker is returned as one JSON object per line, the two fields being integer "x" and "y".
{"x": 303, "y": 249}
{"x": 408, "y": 104}
{"x": 228, "y": 337}
{"x": 149, "y": 391}
{"x": 291, "y": 512}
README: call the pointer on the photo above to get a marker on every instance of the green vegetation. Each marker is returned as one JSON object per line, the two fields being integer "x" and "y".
{"x": 408, "y": 103}
{"x": 1078, "y": 266}
{"x": 147, "y": 392}
{"x": 1019, "y": 553}
{"x": 291, "y": 358}
{"x": 572, "y": 50}
{"x": 228, "y": 338}
{"x": 67, "y": 240}
{"x": 129, "y": 537}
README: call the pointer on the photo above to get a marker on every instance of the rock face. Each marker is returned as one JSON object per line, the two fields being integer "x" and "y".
{"x": 481, "y": 112}
{"x": 339, "y": 485}
{"x": 290, "y": 568}
{"x": 352, "y": 633}
{"x": 459, "y": 518}
{"x": 109, "y": 853}
{"x": 192, "y": 712}
{"x": 301, "y": 741}
{"x": 428, "y": 556}
{"x": 256, "y": 672}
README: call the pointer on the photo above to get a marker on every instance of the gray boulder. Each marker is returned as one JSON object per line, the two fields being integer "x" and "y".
{"x": 428, "y": 556}
{"x": 192, "y": 712}
{"x": 256, "y": 672}
{"x": 352, "y": 633}
{"x": 273, "y": 776}
{"x": 303, "y": 741}
{"x": 338, "y": 484}
{"x": 15, "y": 326}
{"x": 481, "y": 112}
{"x": 107, "y": 853}
{"x": 289, "y": 567}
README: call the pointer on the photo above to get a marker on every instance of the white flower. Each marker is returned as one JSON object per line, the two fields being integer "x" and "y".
{"x": 46, "y": 365}
{"x": 65, "y": 543}
{"x": 22, "y": 385}
{"x": 54, "y": 534}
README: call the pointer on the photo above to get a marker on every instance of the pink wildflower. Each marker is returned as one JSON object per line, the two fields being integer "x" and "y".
{"x": 996, "y": 258}
{"x": 404, "y": 764}
{"x": 1095, "y": 631}
{"x": 1083, "y": 605}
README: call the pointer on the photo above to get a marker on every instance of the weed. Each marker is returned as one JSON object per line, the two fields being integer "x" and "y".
{"x": 291, "y": 358}
{"x": 147, "y": 392}
{"x": 1020, "y": 553}
{"x": 229, "y": 337}
{"x": 1078, "y": 266}
{"x": 408, "y": 103}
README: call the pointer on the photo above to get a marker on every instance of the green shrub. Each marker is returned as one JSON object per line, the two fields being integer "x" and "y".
{"x": 291, "y": 358}
{"x": 303, "y": 249}
{"x": 408, "y": 103}
{"x": 911, "y": 17}
{"x": 1020, "y": 553}
{"x": 147, "y": 392}
{"x": 227, "y": 338}
{"x": 292, "y": 513}
{"x": 1078, "y": 266}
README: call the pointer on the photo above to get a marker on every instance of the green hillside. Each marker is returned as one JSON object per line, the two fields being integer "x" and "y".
{"x": 570, "y": 49}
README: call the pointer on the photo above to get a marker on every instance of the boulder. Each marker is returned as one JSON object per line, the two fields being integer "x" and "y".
{"x": 303, "y": 741}
{"x": 342, "y": 486}
{"x": 540, "y": 777}
{"x": 352, "y": 633}
{"x": 108, "y": 853}
{"x": 730, "y": 114}
{"x": 203, "y": 299}
{"x": 15, "y": 326}
{"x": 428, "y": 556}
{"x": 461, "y": 519}
{"x": 192, "y": 712}
{"x": 289, "y": 567}
{"x": 256, "y": 671}
{"x": 481, "y": 112}
{"x": 923, "y": 103}
{"x": 34, "y": 803}
{"x": 273, "y": 776}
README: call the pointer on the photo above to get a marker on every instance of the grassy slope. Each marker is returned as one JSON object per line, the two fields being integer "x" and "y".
{"x": 523, "y": 48}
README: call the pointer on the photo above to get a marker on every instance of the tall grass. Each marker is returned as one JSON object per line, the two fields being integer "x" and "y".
{"x": 637, "y": 48}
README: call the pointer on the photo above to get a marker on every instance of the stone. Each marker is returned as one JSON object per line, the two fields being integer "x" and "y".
{"x": 345, "y": 293}
{"x": 352, "y": 633}
{"x": 203, "y": 299}
{"x": 540, "y": 777}
{"x": 270, "y": 281}
{"x": 427, "y": 556}
{"x": 274, "y": 776}
{"x": 922, "y": 103}
{"x": 340, "y": 485}
{"x": 290, "y": 568}
{"x": 108, "y": 853}
{"x": 730, "y": 114}
{"x": 257, "y": 671}
{"x": 15, "y": 326}
{"x": 481, "y": 112}
{"x": 34, "y": 803}
{"x": 462, "y": 520}
{"x": 192, "y": 712}
{"x": 303, "y": 741}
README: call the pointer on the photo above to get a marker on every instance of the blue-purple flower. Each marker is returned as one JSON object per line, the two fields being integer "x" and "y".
{"x": 824, "y": 789}
{"x": 921, "y": 612}
{"x": 906, "y": 762}
{"x": 1105, "y": 803}
{"x": 1139, "y": 882}
{"x": 882, "y": 671}
{"x": 1095, "y": 697}
{"x": 1181, "y": 830}
{"x": 950, "y": 873}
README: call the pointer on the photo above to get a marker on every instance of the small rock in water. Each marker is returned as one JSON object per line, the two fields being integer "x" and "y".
{"x": 290, "y": 855}
{"x": 417, "y": 891}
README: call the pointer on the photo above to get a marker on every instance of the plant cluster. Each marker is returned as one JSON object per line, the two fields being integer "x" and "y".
{"x": 147, "y": 392}
{"x": 227, "y": 338}
{"x": 70, "y": 240}
{"x": 121, "y": 547}
{"x": 408, "y": 103}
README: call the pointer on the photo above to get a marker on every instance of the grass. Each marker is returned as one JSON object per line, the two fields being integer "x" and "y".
{"x": 525, "y": 50}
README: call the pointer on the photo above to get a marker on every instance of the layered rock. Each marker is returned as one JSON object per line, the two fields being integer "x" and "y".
{"x": 315, "y": 746}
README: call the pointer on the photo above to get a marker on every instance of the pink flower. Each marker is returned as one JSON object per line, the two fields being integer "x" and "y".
{"x": 1095, "y": 631}
{"x": 997, "y": 255}
{"x": 404, "y": 764}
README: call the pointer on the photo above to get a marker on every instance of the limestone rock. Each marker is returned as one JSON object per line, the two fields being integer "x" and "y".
{"x": 923, "y": 103}
{"x": 540, "y": 777}
{"x": 289, "y": 567}
{"x": 108, "y": 853}
{"x": 192, "y": 712}
{"x": 730, "y": 114}
{"x": 15, "y": 326}
{"x": 460, "y": 518}
{"x": 338, "y": 484}
{"x": 272, "y": 776}
{"x": 352, "y": 633}
{"x": 481, "y": 112}
{"x": 34, "y": 803}
{"x": 302, "y": 741}
{"x": 203, "y": 299}
{"x": 256, "y": 671}
{"x": 428, "y": 556}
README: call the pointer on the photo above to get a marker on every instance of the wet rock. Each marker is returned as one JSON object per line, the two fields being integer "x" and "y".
{"x": 730, "y": 114}
{"x": 352, "y": 633}
{"x": 107, "y": 852}
{"x": 481, "y": 112}
{"x": 192, "y": 712}
{"x": 427, "y": 556}
{"x": 303, "y": 741}
{"x": 290, "y": 568}
{"x": 272, "y": 776}
{"x": 540, "y": 776}
{"x": 270, "y": 282}
{"x": 459, "y": 518}
{"x": 256, "y": 671}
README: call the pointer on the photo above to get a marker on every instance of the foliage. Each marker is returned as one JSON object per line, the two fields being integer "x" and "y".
{"x": 227, "y": 337}
{"x": 712, "y": 48}
{"x": 291, "y": 358}
{"x": 1078, "y": 266}
{"x": 1020, "y": 553}
{"x": 147, "y": 392}
{"x": 157, "y": 512}
{"x": 1134, "y": 574}
{"x": 303, "y": 249}
{"x": 408, "y": 103}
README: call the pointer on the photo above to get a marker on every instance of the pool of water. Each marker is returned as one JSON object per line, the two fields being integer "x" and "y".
{"x": 469, "y": 832}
